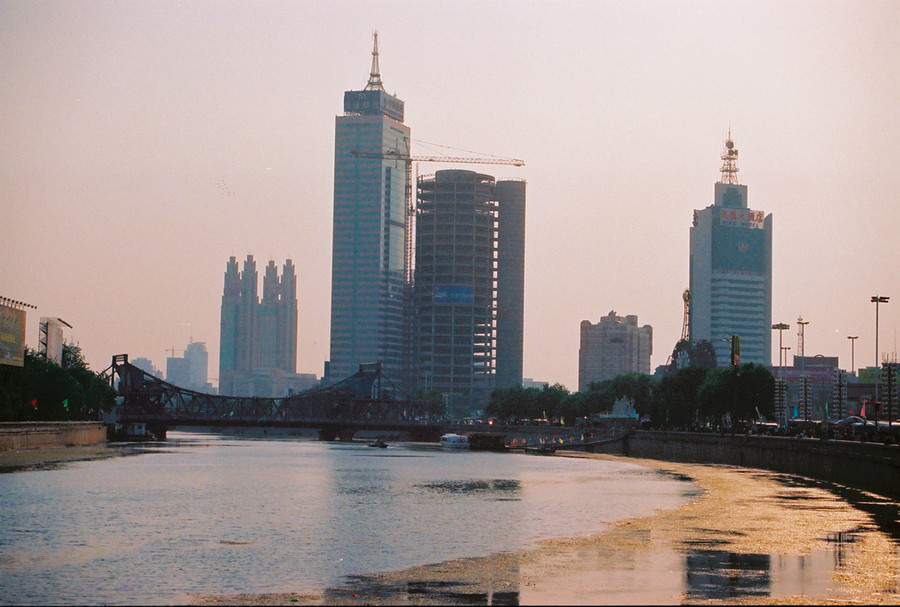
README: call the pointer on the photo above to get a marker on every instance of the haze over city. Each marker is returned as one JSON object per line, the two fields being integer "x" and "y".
{"x": 146, "y": 143}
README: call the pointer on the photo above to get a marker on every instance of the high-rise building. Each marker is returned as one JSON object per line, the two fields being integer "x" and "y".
{"x": 731, "y": 271}
{"x": 611, "y": 347}
{"x": 510, "y": 196}
{"x": 369, "y": 271}
{"x": 258, "y": 340}
{"x": 469, "y": 285}
{"x": 191, "y": 370}
{"x": 198, "y": 366}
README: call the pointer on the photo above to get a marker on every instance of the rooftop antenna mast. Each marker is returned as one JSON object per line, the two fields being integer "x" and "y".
{"x": 729, "y": 162}
{"x": 374, "y": 83}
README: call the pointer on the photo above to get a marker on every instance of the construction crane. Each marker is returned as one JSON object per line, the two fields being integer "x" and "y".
{"x": 395, "y": 155}
{"x": 408, "y": 160}
{"x": 685, "y": 325}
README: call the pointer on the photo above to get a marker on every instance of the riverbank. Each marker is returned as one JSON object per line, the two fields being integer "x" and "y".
{"x": 36, "y": 458}
{"x": 749, "y": 537}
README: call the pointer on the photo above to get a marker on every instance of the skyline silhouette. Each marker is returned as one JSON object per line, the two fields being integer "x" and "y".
{"x": 146, "y": 143}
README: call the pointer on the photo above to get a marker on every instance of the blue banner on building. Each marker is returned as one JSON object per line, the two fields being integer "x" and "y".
{"x": 454, "y": 294}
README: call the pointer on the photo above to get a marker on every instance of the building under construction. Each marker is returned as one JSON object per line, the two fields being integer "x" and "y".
{"x": 468, "y": 286}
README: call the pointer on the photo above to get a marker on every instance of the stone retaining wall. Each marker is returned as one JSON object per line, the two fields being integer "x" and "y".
{"x": 867, "y": 466}
{"x": 18, "y": 436}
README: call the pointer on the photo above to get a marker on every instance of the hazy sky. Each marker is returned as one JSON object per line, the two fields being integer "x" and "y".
{"x": 143, "y": 143}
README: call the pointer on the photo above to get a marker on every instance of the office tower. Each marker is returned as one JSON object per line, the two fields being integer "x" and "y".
{"x": 611, "y": 347}
{"x": 468, "y": 285}
{"x": 510, "y": 282}
{"x": 258, "y": 340}
{"x": 731, "y": 271}
{"x": 370, "y": 238}
{"x": 198, "y": 366}
{"x": 191, "y": 370}
{"x": 178, "y": 371}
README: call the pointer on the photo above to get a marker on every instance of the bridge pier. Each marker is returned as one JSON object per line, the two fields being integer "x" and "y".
{"x": 332, "y": 433}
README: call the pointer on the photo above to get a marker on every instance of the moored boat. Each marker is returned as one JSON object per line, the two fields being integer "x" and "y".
{"x": 455, "y": 441}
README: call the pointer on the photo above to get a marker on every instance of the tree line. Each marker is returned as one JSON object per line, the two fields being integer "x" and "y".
{"x": 44, "y": 390}
{"x": 685, "y": 397}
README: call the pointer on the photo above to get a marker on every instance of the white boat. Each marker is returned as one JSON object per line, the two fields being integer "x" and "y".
{"x": 455, "y": 441}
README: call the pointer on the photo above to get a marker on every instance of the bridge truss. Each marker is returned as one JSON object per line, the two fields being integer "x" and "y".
{"x": 365, "y": 399}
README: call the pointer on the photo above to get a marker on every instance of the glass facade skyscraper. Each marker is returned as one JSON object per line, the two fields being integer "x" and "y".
{"x": 731, "y": 271}
{"x": 370, "y": 240}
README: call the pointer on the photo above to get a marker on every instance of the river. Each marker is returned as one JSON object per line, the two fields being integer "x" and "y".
{"x": 204, "y": 513}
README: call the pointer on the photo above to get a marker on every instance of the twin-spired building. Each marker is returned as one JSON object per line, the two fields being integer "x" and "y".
{"x": 258, "y": 339}
{"x": 731, "y": 271}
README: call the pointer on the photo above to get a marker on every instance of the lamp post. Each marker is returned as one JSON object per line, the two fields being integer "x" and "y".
{"x": 803, "y": 384}
{"x": 785, "y": 350}
{"x": 780, "y": 327}
{"x": 877, "y": 299}
{"x": 853, "y": 339}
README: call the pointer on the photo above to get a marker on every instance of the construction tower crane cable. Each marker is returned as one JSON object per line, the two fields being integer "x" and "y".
{"x": 409, "y": 159}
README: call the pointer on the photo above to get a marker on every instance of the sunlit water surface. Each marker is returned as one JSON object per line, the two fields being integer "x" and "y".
{"x": 204, "y": 513}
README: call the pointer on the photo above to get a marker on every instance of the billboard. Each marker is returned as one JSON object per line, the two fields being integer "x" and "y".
{"x": 12, "y": 336}
{"x": 739, "y": 245}
{"x": 454, "y": 294}
{"x": 742, "y": 218}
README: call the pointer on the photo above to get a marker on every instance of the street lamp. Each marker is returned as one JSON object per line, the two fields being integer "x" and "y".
{"x": 780, "y": 327}
{"x": 877, "y": 299}
{"x": 853, "y": 339}
{"x": 802, "y": 324}
{"x": 786, "y": 417}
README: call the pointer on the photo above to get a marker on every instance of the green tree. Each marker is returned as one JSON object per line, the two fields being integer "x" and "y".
{"x": 637, "y": 387}
{"x": 549, "y": 401}
{"x": 674, "y": 401}
{"x": 43, "y": 390}
{"x": 435, "y": 403}
{"x": 744, "y": 392}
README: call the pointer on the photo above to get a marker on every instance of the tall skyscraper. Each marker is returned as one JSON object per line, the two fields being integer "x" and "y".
{"x": 731, "y": 271}
{"x": 469, "y": 285}
{"x": 510, "y": 282}
{"x": 370, "y": 238}
{"x": 611, "y": 347}
{"x": 258, "y": 340}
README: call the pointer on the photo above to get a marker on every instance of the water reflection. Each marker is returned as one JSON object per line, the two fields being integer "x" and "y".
{"x": 371, "y": 590}
{"x": 475, "y": 487}
{"x": 716, "y": 574}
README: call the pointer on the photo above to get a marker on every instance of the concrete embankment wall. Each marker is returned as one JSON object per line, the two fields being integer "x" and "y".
{"x": 868, "y": 466}
{"x": 18, "y": 436}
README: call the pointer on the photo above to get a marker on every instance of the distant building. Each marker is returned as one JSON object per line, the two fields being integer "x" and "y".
{"x": 258, "y": 338}
{"x": 191, "y": 370}
{"x": 530, "y": 382}
{"x": 198, "y": 366}
{"x": 613, "y": 346}
{"x": 370, "y": 250}
{"x": 178, "y": 371}
{"x": 731, "y": 271}
{"x": 146, "y": 365}
{"x": 50, "y": 340}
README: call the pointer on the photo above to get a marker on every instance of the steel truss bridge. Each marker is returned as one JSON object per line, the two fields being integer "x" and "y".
{"x": 366, "y": 400}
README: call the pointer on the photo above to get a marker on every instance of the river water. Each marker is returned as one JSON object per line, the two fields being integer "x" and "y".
{"x": 205, "y": 513}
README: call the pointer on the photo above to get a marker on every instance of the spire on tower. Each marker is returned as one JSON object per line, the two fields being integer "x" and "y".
{"x": 374, "y": 83}
{"x": 729, "y": 162}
